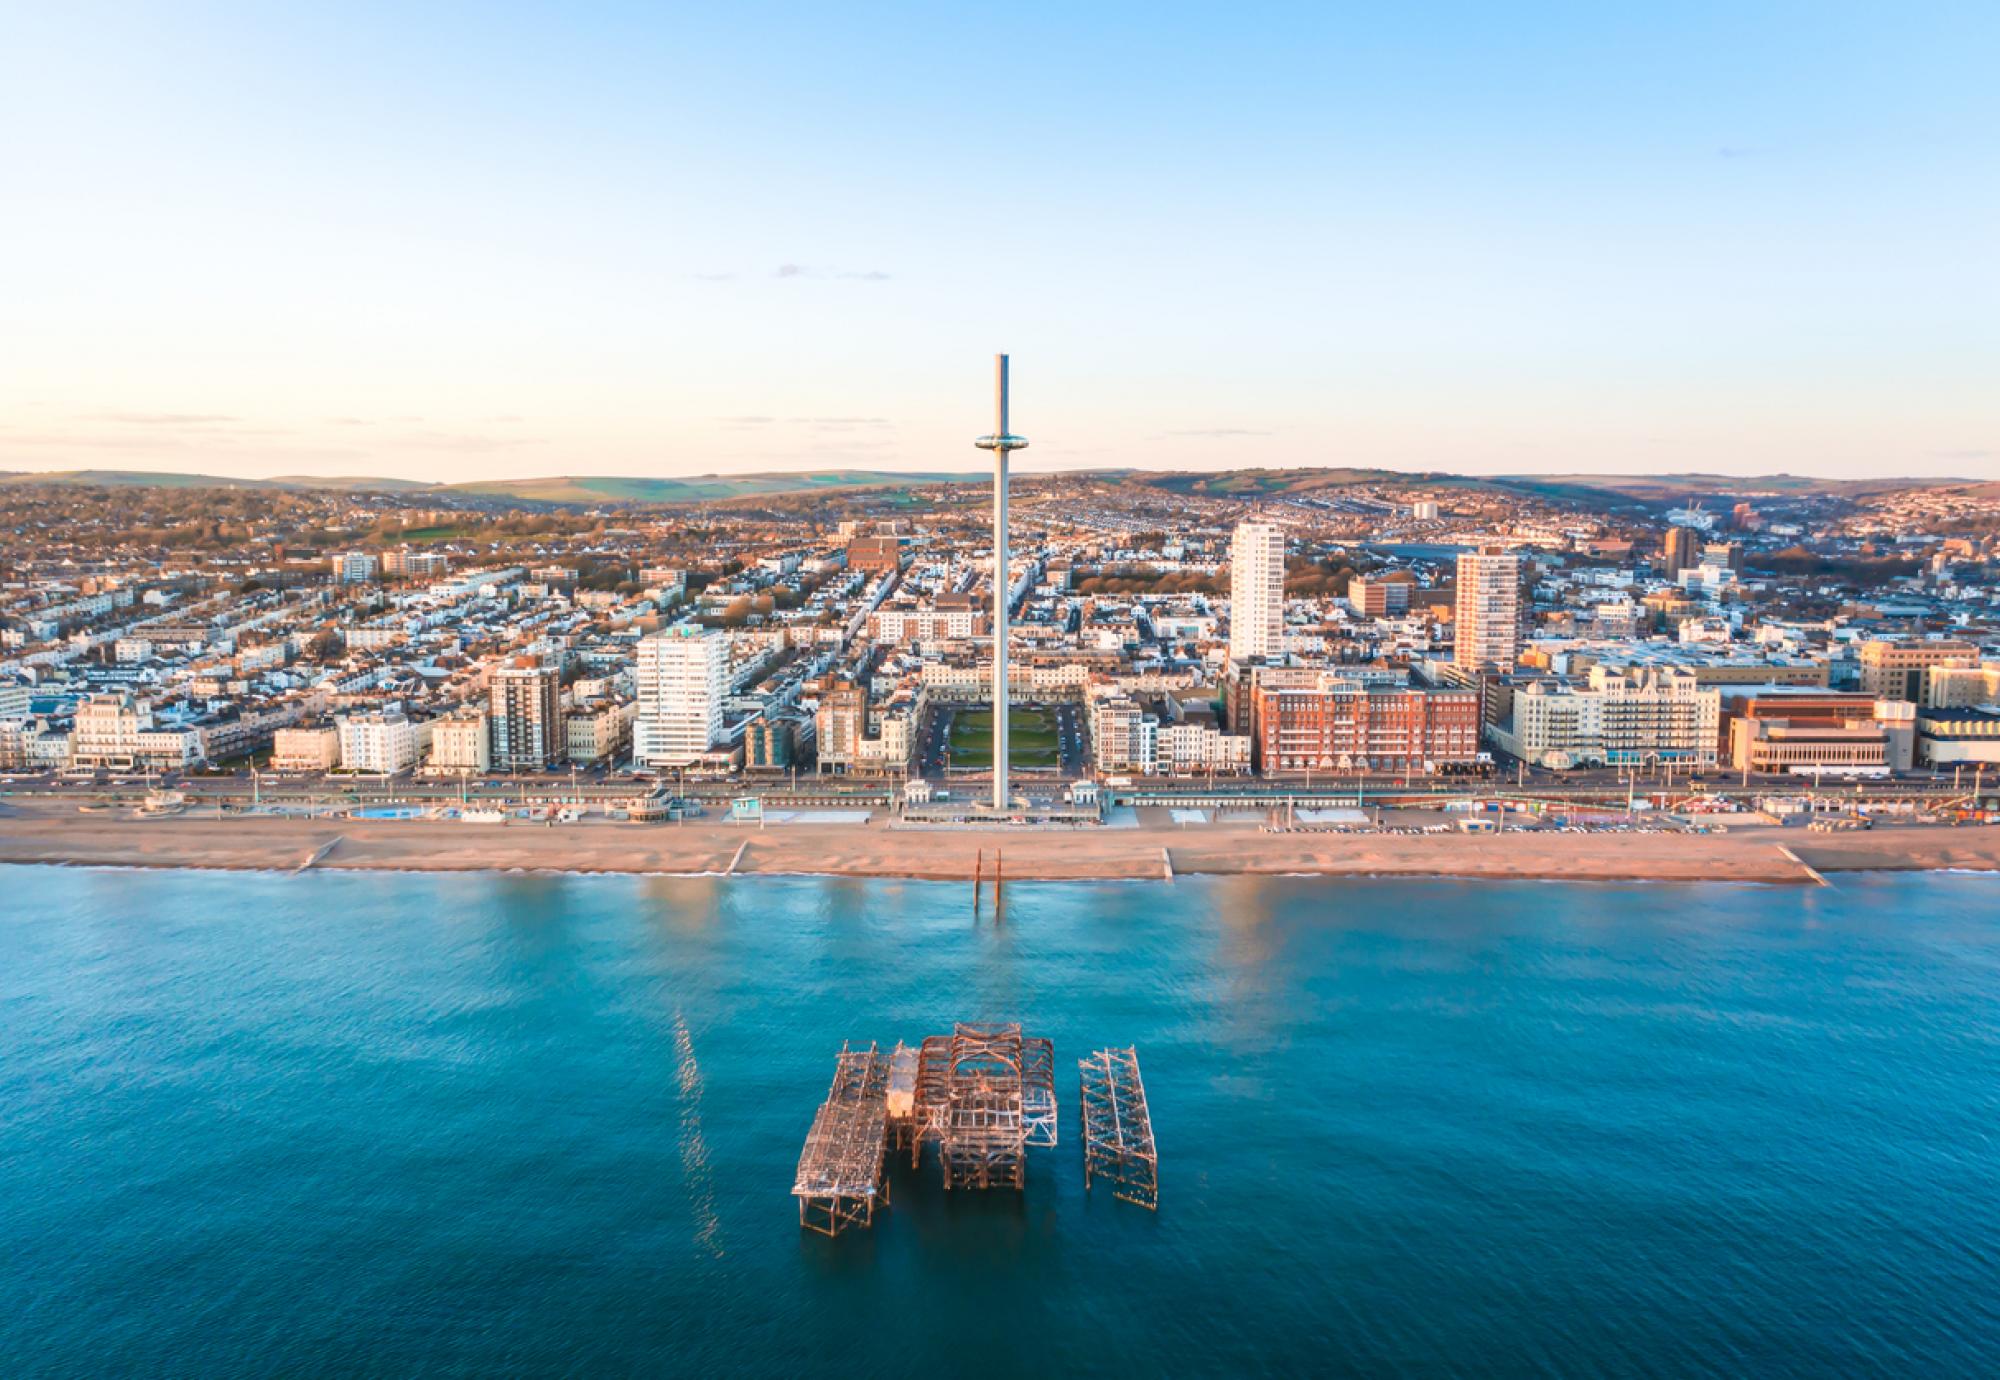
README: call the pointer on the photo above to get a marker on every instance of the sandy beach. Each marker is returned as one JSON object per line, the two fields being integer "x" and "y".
{"x": 55, "y": 832}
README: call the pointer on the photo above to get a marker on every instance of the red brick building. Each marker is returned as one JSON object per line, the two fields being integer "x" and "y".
{"x": 1344, "y": 726}
{"x": 874, "y": 555}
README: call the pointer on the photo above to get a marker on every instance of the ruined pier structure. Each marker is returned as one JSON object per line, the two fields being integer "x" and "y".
{"x": 840, "y": 1178}
{"x": 1118, "y": 1127}
{"x": 984, "y": 1095}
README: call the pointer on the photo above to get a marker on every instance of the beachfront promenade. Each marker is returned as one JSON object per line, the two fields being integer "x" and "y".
{"x": 48, "y": 831}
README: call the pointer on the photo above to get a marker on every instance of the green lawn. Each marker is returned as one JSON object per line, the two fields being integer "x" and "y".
{"x": 1032, "y": 739}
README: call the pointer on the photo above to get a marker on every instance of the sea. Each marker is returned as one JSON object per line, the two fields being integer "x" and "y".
{"x": 346, "y": 1124}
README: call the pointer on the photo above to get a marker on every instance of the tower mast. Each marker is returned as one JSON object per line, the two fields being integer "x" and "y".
{"x": 1001, "y": 443}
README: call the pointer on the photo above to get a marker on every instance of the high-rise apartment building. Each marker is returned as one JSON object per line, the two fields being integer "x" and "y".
{"x": 1486, "y": 622}
{"x": 1680, "y": 550}
{"x": 840, "y": 725}
{"x": 1256, "y": 591}
{"x": 524, "y": 709}
{"x": 683, "y": 677}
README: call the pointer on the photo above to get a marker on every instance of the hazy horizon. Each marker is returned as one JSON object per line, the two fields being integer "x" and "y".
{"x": 394, "y": 241}
{"x": 975, "y": 474}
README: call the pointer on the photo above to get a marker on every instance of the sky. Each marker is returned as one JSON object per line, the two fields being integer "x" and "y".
{"x": 463, "y": 241}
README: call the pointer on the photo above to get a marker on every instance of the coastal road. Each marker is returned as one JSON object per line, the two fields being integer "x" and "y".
{"x": 333, "y": 792}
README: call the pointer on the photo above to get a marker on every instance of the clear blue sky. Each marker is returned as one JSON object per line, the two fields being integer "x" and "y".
{"x": 454, "y": 241}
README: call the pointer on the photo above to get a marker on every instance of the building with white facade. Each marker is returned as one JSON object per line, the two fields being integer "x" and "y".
{"x": 598, "y": 732}
{"x": 356, "y": 567}
{"x": 1617, "y": 719}
{"x": 1124, "y": 737}
{"x": 461, "y": 745}
{"x": 1194, "y": 746}
{"x": 1256, "y": 591}
{"x": 114, "y": 733}
{"x": 1486, "y": 619}
{"x": 683, "y": 676}
{"x": 305, "y": 749}
{"x": 381, "y": 744}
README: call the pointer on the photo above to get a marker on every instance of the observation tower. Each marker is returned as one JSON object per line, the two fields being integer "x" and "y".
{"x": 1002, "y": 443}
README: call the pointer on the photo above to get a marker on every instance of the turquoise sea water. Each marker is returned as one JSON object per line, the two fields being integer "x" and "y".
{"x": 379, "y": 1124}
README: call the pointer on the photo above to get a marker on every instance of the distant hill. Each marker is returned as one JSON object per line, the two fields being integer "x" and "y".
{"x": 1666, "y": 488}
{"x": 1587, "y": 488}
{"x": 562, "y": 489}
{"x": 695, "y": 489}
{"x": 358, "y": 483}
{"x": 161, "y": 479}
{"x": 1267, "y": 483}
{"x": 151, "y": 479}
{"x": 1256, "y": 483}
{"x": 1242, "y": 484}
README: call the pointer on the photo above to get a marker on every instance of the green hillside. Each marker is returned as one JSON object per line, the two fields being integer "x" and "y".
{"x": 152, "y": 479}
{"x": 556, "y": 489}
{"x": 369, "y": 483}
{"x": 1243, "y": 484}
{"x": 695, "y": 489}
{"x": 1665, "y": 488}
{"x": 1585, "y": 488}
{"x": 166, "y": 479}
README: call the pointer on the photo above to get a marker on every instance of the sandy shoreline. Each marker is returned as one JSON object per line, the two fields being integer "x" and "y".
{"x": 55, "y": 833}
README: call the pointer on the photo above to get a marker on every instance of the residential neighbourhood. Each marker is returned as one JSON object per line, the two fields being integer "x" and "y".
{"x": 1164, "y": 629}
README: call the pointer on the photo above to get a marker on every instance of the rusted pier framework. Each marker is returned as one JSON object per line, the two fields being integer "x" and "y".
{"x": 984, "y": 1095}
{"x": 1117, "y": 1127}
{"x": 1038, "y": 1092}
{"x": 840, "y": 1177}
{"x": 985, "y": 1135}
{"x": 901, "y": 1103}
{"x": 933, "y": 1096}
